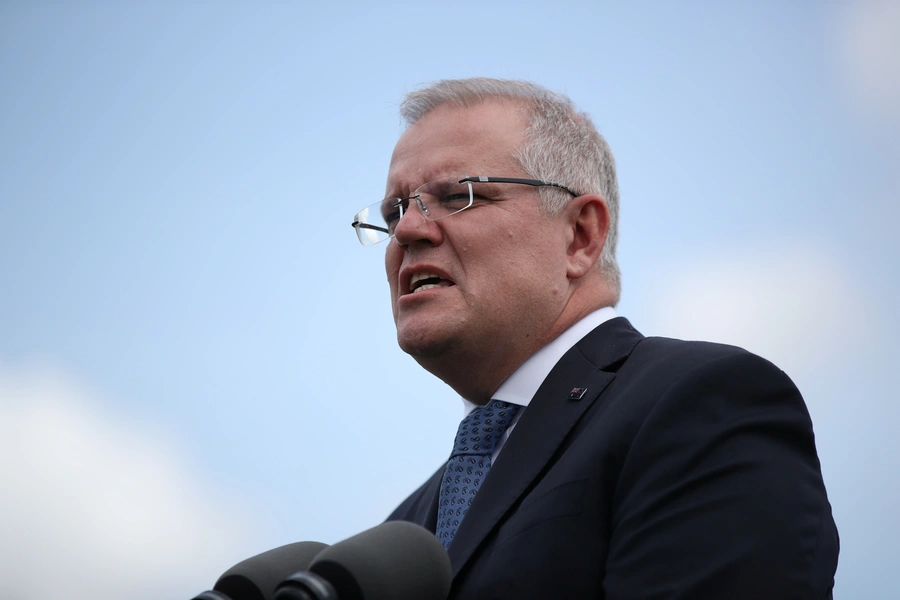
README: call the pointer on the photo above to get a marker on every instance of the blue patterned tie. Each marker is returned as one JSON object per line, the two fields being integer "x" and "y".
{"x": 475, "y": 441}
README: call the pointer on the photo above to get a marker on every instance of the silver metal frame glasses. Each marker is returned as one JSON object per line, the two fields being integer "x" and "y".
{"x": 435, "y": 200}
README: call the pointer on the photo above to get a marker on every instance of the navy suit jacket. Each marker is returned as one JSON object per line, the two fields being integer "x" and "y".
{"x": 688, "y": 470}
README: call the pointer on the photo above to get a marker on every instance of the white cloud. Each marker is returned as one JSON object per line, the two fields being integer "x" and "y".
{"x": 869, "y": 56}
{"x": 98, "y": 508}
{"x": 798, "y": 307}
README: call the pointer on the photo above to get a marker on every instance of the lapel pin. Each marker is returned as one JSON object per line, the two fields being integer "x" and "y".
{"x": 577, "y": 393}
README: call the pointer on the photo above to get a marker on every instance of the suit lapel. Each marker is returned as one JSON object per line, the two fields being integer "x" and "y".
{"x": 426, "y": 508}
{"x": 545, "y": 424}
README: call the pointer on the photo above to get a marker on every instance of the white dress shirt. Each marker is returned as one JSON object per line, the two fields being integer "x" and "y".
{"x": 520, "y": 387}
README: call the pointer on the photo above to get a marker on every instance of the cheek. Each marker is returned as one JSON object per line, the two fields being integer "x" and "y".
{"x": 391, "y": 268}
{"x": 393, "y": 258}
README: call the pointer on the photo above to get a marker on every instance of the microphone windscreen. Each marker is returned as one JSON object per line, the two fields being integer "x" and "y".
{"x": 257, "y": 577}
{"x": 396, "y": 560}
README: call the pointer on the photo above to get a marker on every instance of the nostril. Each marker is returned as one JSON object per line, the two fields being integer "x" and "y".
{"x": 412, "y": 226}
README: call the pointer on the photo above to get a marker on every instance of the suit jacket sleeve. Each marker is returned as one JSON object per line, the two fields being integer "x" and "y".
{"x": 720, "y": 493}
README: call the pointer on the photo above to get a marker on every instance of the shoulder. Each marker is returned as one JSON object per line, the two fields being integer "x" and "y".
{"x": 674, "y": 352}
{"x": 654, "y": 372}
{"x": 670, "y": 364}
{"x": 687, "y": 390}
{"x": 616, "y": 346}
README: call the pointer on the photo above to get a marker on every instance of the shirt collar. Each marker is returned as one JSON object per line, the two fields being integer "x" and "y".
{"x": 520, "y": 387}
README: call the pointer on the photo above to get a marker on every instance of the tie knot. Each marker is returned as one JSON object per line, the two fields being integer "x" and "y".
{"x": 480, "y": 431}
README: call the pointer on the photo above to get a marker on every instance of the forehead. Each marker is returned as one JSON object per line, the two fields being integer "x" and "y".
{"x": 453, "y": 140}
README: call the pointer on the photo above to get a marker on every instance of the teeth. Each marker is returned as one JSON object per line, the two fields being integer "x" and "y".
{"x": 417, "y": 277}
{"x": 427, "y": 278}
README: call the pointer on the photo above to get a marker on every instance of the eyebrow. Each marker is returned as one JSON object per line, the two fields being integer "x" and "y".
{"x": 455, "y": 169}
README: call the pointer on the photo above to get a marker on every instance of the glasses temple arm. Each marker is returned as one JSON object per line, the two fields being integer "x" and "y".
{"x": 531, "y": 182}
{"x": 358, "y": 225}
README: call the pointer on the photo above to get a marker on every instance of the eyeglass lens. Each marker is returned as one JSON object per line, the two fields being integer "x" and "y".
{"x": 435, "y": 200}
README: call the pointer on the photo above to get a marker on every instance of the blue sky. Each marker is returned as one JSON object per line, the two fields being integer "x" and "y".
{"x": 197, "y": 358}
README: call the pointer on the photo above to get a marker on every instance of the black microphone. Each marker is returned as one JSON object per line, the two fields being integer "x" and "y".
{"x": 396, "y": 560}
{"x": 256, "y": 577}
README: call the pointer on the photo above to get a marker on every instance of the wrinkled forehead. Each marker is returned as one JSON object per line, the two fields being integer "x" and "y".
{"x": 450, "y": 140}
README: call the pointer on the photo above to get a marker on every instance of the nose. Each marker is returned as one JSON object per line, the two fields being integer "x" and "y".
{"x": 414, "y": 227}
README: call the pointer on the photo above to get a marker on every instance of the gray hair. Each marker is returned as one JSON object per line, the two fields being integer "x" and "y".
{"x": 562, "y": 146}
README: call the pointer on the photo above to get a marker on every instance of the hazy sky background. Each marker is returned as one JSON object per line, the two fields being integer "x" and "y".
{"x": 197, "y": 358}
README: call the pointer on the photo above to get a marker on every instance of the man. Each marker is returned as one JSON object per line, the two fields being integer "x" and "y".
{"x": 595, "y": 462}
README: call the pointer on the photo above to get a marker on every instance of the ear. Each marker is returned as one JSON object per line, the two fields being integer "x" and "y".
{"x": 587, "y": 218}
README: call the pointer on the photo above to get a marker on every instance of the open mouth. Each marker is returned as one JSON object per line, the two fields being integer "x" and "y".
{"x": 420, "y": 282}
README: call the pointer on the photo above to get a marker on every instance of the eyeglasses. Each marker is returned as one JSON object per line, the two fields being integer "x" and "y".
{"x": 435, "y": 200}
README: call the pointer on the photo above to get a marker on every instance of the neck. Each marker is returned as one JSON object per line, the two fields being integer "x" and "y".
{"x": 475, "y": 380}
{"x": 477, "y": 377}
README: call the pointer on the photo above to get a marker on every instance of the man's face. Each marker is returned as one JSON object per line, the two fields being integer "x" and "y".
{"x": 502, "y": 262}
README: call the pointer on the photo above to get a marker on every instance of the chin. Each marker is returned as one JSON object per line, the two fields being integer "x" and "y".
{"x": 423, "y": 343}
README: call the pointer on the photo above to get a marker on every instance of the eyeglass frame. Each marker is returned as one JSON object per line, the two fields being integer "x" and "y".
{"x": 358, "y": 225}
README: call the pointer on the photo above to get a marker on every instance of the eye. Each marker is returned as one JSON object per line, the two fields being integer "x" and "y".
{"x": 442, "y": 197}
{"x": 392, "y": 210}
{"x": 453, "y": 195}
{"x": 451, "y": 200}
